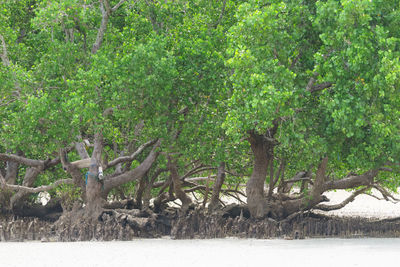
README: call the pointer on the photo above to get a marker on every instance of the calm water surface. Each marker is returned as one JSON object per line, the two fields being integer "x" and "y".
{"x": 216, "y": 252}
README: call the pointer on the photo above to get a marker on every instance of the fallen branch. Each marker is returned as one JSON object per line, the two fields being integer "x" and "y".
{"x": 343, "y": 203}
{"x": 386, "y": 195}
{"x": 372, "y": 195}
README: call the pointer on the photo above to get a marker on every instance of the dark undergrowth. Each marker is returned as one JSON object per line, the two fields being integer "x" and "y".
{"x": 131, "y": 224}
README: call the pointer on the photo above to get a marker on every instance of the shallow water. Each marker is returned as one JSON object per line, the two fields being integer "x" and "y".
{"x": 214, "y": 252}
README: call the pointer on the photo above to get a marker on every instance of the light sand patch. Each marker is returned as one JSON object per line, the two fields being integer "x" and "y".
{"x": 363, "y": 206}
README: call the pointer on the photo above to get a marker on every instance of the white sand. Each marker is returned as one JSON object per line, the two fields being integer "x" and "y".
{"x": 363, "y": 206}
{"x": 230, "y": 252}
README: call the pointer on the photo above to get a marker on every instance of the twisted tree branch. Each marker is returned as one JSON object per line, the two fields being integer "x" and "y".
{"x": 343, "y": 203}
{"x": 132, "y": 156}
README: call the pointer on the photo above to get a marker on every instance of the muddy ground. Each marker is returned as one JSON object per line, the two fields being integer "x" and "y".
{"x": 194, "y": 224}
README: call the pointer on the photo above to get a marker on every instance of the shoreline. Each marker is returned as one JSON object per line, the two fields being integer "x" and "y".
{"x": 366, "y": 216}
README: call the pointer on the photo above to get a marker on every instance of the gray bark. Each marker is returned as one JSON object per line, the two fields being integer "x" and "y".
{"x": 93, "y": 186}
{"x": 81, "y": 149}
{"x": 255, "y": 186}
{"x": 177, "y": 184}
{"x": 75, "y": 173}
{"x": 3, "y": 55}
{"x": 29, "y": 178}
{"x": 105, "y": 14}
{"x": 365, "y": 179}
{"x": 147, "y": 191}
{"x": 132, "y": 175}
{"x": 132, "y": 157}
{"x": 12, "y": 171}
{"x": 21, "y": 160}
{"x": 214, "y": 202}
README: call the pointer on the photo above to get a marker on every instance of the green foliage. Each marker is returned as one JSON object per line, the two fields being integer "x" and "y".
{"x": 202, "y": 74}
{"x": 275, "y": 48}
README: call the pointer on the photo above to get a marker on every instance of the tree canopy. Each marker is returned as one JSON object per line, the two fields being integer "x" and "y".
{"x": 157, "y": 99}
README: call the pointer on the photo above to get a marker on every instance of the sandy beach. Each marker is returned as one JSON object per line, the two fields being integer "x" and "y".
{"x": 363, "y": 206}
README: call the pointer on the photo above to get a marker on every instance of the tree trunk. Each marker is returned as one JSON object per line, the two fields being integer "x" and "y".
{"x": 80, "y": 148}
{"x": 149, "y": 186}
{"x": 262, "y": 150}
{"x": 74, "y": 171}
{"x": 140, "y": 191}
{"x": 217, "y": 187}
{"x": 12, "y": 170}
{"x": 94, "y": 186}
{"x": 132, "y": 175}
{"x": 177, "y": 184}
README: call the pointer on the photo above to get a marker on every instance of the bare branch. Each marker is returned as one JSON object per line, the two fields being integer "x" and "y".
{"x": 4, "y": 57}
{"x": 82, "y": 163}
{"x": 190, "y": 172}
{"x": 232, "y": 195}
{"x": 221, "y": 15}
{"x": 197, "y": 187}
{"x": 188, "y": 180}
{"x": 365, "y": 179}
{"x": 195, "y": 179}
{"x": 301, "y": 179}
{"x": 386, "y": 195}
{"x": 217, "y": 186}
{"x": 149, "y": 186}
{"x": 21, "y": 160}
{"x": 320, "y": 177}
{"x": 197, "y": 170}
{"x": 177, "y": 183}
{"x": 311, "y": 81}
{"x": 105, "y": 13}
{"x": 132, "y": 156}
{"x": 156, "y": 25}
{"x": 343, "y": 203}
{"x": 320, "y": 87}
{"x": 286, "y": 185}
{"x": 312, "y": 87}
{"x": 134, "y": 174}
{"x": 117, "y": 5}
{"x": 372, "y": 195}
{"x": 33, "y": 189}
{"x": 273, "y": 181}
{"x": 207, "y": 191}
{"x": 80, "y": 148}
{"x": 236, "y": 174}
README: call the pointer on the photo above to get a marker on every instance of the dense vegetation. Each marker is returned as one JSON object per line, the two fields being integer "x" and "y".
{"x": 165, "y": 100}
